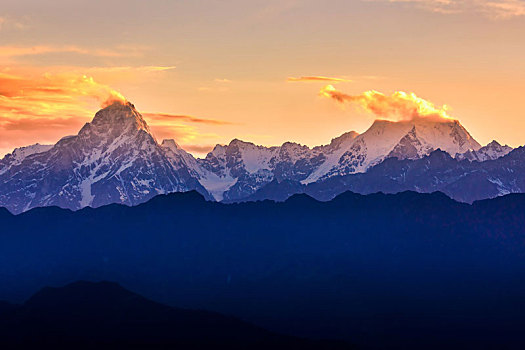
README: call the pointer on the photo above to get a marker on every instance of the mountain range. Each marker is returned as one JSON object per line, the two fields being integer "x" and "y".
{"x": 381, "y": 271}
{"x": 116, "y": 159}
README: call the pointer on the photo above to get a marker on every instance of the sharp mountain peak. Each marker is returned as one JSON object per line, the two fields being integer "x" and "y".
{"x": 116, "y": 159}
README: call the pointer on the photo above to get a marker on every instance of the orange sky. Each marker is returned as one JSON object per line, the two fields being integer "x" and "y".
{"x": 205, "y": 72}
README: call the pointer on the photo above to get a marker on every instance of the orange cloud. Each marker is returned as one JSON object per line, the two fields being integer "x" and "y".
{"x": 9, "y": 53}
{"x": 494, "y": 9}
{"x": 43, "y": 107}
{"x": 19, "y": 91}
{"x": 198, "y": 149}
{"x": 398, "y": 106}
{"x": 505, "y": 9}
{"x": 46, "y": 107}
{"x": 318, "y": 78}
{"x": 124, "y": 69}
{"x": 186, "y": 118}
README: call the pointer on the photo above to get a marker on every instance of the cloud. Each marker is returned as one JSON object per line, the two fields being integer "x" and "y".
{"x": 274, "y": 8}
{"x": 199, "y": 149}
{"x": 31, "y": 124}
{"x": 46, "y": 107}
{"x": 10, "y": 53}
{"x": 67, "y": 88}
{"x": 398, "y": 106}
{"x": 218, "y": 85}
{"x": 7, "y": 23}
{"x": 22, "y": 131}
{"x": 186, "y": 118}
{"x": 318, "y": 78}
{"x": 155, "y": 68}
{"x": 493, "y": 9}
{"x": 173, "y": 126}
{"x": 43, "y": 106}
{"x": 119, "y": 69}
{"x": 505, "y": 9}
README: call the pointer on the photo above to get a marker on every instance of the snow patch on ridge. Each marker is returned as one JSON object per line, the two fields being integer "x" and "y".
{"x": 217, "y": 185}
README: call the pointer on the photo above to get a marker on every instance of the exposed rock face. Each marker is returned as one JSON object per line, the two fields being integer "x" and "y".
{"x": 113, "y": 159}
{"x": 489, "y": 152}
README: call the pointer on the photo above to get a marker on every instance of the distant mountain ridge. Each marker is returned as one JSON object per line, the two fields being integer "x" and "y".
{"x": 464, "y": 180}
{"x": 382, "y": 271}
{"x": 116, "y": 159}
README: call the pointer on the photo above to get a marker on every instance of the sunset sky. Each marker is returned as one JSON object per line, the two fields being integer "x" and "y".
{"x": 205, "y": 72}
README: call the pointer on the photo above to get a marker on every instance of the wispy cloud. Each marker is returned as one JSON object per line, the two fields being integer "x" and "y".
{"x": 198, "y": 149}
{"x": 126, "y": 69}
{"x": 505, "y": 9}
{"x": 216, "y": 85}
{"x": 186, "y": 118}
{"x": 493, "y": 9}
{"x": 275, "y": 8}
{"x": 42, "y": 106}
{"x": 50, "y": 93}
{"x": 7, "y": 23}
{"x": 10, "y": 53}
{"x": 184, "y": 129}
{"x": 318, "y": 78}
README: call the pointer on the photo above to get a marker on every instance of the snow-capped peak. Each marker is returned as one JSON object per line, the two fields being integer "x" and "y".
{"x": 403, "y": 139}
{"x": 113, "y": 159}
{"x": 491, "y": 151}
{"x": 118, "y": 118}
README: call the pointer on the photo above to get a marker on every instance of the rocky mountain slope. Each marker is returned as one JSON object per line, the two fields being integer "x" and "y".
{"x": 462, "y": 180}
{"x": 116, "y": 159}
{"x": 247, "y": 167}
{"x": 113, "y": 159}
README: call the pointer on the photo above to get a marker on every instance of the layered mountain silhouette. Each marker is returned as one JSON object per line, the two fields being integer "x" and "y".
{"x": 406, "y": 270}
{"x": 116, "y": 159}
{"x": 104, "y": 315}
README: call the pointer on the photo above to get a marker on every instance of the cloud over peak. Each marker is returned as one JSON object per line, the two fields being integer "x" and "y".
{"x": 398, "y": 106}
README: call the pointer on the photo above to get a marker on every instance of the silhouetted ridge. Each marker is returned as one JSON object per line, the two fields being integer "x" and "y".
{"x": 82, "y": 294}
{"x": 405, "y": 270}
{"x": 301, "y": 198}
{"x": 278, "y": 191}
{"x": 179, "y": 199}
{"x": 4, "y": 213}
{"x": 105, "y": 315}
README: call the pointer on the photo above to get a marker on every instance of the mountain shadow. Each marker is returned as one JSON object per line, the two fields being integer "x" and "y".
{"x": 394, "y": 271}
{"x": 104, "y": 315}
